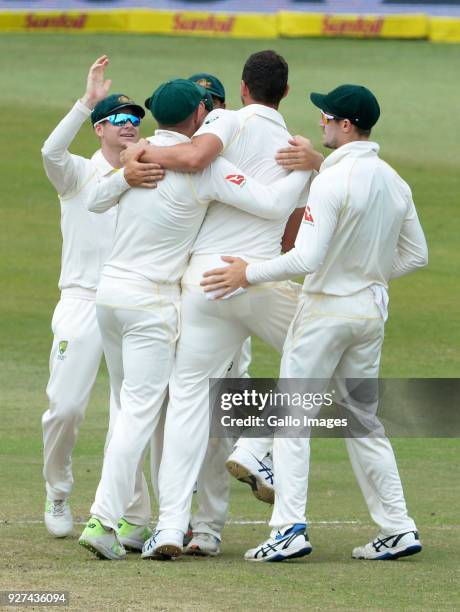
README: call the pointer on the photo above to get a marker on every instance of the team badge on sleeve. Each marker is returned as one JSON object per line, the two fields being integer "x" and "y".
{"x": 63, "y": 344}
{"x": 237, "y": 179}
{"x": 308, "y": 217}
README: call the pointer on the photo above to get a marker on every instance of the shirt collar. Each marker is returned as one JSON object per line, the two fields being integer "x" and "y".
{"x": 102, "y": 164}
{"x": 358, "y": 148}
{"x": 171, "y": 134}
{"x": 264, "y": 111}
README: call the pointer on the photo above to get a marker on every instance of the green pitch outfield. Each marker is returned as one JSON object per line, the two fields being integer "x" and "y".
{"x": 417, "y": 85}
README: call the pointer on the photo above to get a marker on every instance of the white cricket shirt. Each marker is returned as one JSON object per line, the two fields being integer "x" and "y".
{"x": 156, "y": 228}
{"x": 251, "y": 137}
{"x": 360, "y": 227}
{"x": 86, "y": 237}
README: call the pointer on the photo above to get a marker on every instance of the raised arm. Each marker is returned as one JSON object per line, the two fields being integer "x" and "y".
{"x": 62, "y": 168}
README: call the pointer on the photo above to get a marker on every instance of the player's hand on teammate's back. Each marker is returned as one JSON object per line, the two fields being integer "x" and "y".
{"x": 226, "y": 280}
{"x": 139, "y": 174}
{"x": 301, "y": 155}
{"x": 97, "y": 88}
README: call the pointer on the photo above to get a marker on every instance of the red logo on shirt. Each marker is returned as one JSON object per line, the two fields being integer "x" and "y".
{"x": 237, "y": 179}
{"x": 308, "y": 217}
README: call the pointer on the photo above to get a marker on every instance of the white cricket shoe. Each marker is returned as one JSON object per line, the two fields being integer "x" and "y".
{"x": 164, "y": 544}
{"x": 288, "y": 543}
{"x": 245, "y": 467}
{"x": 131, "y": 536}
{"x": 386, "y": 548}
{"x": 58, "y": 517}
{"x": 203, "y": 545}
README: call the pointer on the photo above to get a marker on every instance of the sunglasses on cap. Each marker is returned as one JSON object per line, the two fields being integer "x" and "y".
{"x": 121, "y": 119}
{"x": 327, "y": 117}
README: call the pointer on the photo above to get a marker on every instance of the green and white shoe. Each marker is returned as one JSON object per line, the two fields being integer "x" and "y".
{"x": 132, "y": 537}
{"x": 101, "y": 541}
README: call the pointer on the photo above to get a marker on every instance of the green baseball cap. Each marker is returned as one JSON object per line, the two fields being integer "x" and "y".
{"x": 176, "y": 100}
{"x": 211, "y": 83}
{"x": 112, "y": 104}
{"x": 353, "y": 102}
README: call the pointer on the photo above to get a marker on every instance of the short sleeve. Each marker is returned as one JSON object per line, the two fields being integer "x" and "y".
{"x": 222, "y": 123}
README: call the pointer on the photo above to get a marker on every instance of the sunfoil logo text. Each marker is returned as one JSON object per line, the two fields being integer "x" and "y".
{"x": 65, "y": 21}
{"x": 208, "y": 23}
{"x": 352, "y": 26}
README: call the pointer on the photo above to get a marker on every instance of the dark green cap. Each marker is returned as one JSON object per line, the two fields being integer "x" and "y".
{"x": 176, "y": 100}
{"x": 353, "y": 102}
{"x": 112, "y": 104}
{"x": 211, "y": 83}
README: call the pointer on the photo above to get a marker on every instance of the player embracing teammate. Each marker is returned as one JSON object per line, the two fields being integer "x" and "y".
{"x": 355, "y": 200}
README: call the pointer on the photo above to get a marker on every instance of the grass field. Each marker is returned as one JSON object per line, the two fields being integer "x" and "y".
{"x": 418, "y": 87}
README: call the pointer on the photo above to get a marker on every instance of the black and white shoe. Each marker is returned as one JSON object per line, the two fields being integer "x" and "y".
{"x": 288, "y": 543}
{"x": 387, "y": 548}
{"x": 245, "y": 467}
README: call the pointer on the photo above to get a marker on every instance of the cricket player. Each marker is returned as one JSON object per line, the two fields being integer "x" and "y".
{"x": 213, "y": 85}
{"x": 360, "y": 230}
{"x": 212, "y": 332}
{"x": 87, "y": 239}
{"x": 138, "y": 296}
{"x": 213, "y": 488}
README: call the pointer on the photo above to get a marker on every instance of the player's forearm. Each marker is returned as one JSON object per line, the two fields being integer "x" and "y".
{"x": 405, "y": 262}
{"x": 306, "y": 257}
{"x": 184, "y": 157}
{"x": 291, "y": 230}
{"x": 412, "y": 249}
{"x": 286, "y": 193}
{"x": 284, "y": 267}
{"x": 106, "y": 192}
{"x": 275, "y": 201}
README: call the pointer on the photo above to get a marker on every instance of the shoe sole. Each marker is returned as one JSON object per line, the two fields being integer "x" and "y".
{"x": 388, "y": 556}
{"x": 104, "y": 556}
{"x": 259, "y": 489}
{"x": 198, "y": 552}
{"x": 132, "y": 548}
{"x": 165, "y": 552}
{"x": 302, "y": 552}
{"x": 59, "y": 535}
{"x": 131, "y": 545}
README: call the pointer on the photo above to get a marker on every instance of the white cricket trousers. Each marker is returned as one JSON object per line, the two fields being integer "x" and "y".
{"x": 74, "y": 362}
{"x": 213, "y": 487}
{"x": 338, "y": 337}
{"x": 212, "y": 333}
{"x": 139, "y": 326}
